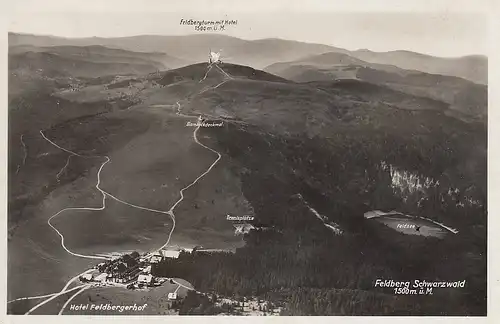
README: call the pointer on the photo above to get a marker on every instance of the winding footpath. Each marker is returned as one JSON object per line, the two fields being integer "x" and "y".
{"x": 52, "y": 298}
{"x": 72, "y": 297}
{"x": 206, "y": 73}
{"x": 105, "y": 194}
{"x": 181, "y": 192}
{"x": 183, "y": 286}
{"x": 25, "y": 149}
{"x": 64, "y": 167}
{"x": 79, "y": 208}
{"x": 53, "y": 295}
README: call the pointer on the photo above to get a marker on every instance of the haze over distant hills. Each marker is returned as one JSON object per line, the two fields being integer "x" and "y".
{"x": 261, "y": 53}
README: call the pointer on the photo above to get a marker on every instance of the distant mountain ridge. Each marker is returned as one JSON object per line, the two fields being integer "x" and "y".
{"x": 470, "y": 67}
{"x": 32, "y": 67}
{"x": 99, "y": 53}
{"x": 462, "y": 95}
{"x": 264, "y": 52}
{"x": 53, "y": 65}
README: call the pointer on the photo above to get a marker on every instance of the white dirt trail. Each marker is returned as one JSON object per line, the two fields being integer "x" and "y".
{"x": 52, "y": 298}
{"x": 219, "y": 156}
{"x": 79, "y": 208}
{"x": 72, "y": 297}
{"x": 105, "y": 194}
{"x": 183, "y": 286}
{"x": 64, "y": 167}
{"x": 52, "y": 294}
{"x": 25, "y": 149}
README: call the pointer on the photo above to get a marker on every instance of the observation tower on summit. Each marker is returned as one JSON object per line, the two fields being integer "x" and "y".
{"x": 213, "y": 57}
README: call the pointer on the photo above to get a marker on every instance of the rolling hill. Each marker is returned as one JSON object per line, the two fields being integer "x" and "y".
{"x": 330, "y": 141}
{"x": 370, "y": 92}
{"x": 463, "y": 96}
{"x": 191, "y": 48}
{"x": 264, "y": 52}
{"x": 472, "y": 67}
{"x": 54, "y": 65}
{"x": 199, "y": 71}
{"x": 338, "y": 65}
{"x": 326, "y": 141}
{"x": 102, "y": 54}
{"x": 62, "y": 66}
{"x": 332, "y": 112}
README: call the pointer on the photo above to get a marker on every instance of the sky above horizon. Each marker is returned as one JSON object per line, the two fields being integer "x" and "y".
{"x": 440, "y": 34}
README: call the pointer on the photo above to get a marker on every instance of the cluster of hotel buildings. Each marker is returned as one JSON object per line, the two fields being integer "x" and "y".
{"x": 130, "y": 270}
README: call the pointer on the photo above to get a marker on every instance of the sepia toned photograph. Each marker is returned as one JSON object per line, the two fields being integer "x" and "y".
{"x": 247, "y": 163}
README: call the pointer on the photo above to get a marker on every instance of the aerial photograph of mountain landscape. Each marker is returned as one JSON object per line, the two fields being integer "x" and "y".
{"x": 247, "y": 164}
